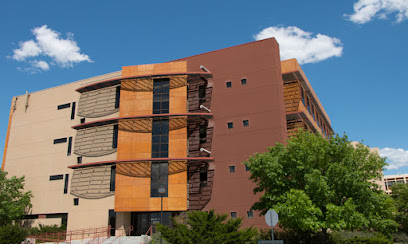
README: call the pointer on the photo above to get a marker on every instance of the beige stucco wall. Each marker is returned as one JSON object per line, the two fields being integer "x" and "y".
{"x": 31, "y": 153}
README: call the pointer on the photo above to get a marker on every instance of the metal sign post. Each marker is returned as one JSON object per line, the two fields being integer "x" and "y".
{"x": 271, "y": 218}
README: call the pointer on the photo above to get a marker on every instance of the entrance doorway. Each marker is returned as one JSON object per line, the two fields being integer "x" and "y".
{"x": 142, "y": 221}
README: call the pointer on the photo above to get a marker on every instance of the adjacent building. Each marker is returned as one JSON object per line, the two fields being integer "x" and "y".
{"x": 105, "y": 150}
{"x": 390, "y": 180}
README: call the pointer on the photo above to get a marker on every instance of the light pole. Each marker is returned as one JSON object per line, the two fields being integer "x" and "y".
{"x": 161, "y": 191}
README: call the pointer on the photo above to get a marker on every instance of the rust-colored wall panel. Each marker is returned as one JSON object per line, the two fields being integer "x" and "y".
{"x": 133, "y": 193}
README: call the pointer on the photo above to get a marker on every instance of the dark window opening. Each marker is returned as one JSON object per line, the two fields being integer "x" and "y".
{"x": 303, "y": 95}
{"x": 117, "y": 98}
{"x": 66, "y": 184}
{"x": 250, "y": 214}
{"x": 112, "y": 221}
{"x": 202, "y": 93}
{"x": 232, "y": 169}
{"x": 79, "y": 160}
{"x": 112, "y": 178}
{"x": 76, "y": 201}
{"x": 82, "y": 120}
{"x": 160, "y": 138}
{"x": 234, "y": 215}
{"x": 203, "y": 177}
{"x": 228, "y": 84}
{"x": 161, "y": 96}
{"x": 246, "y": 168}
{"x": 243, "y": 81}
{"x": 313, "y": 112}
{"x": 230, "y": 125}
{"x": 62, "y": 106}
{"x": 159, "y": 179}
{"x": 56, "y": 177}
{"x": 69, "y": 146}
{"x": 60, "y": 140}
{"x": 203, "y": 133}
{"x": 73, "y": 111}
{"x": 115, "y": 136}
{"x": 308, "y": 104}
{"x": 245, "y": 123}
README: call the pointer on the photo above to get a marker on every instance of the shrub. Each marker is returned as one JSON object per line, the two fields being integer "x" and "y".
{"x": 12, "y": 234}
{"x": 400, "y": 238}
{"x": 349, "y": 237}
{"x": 47, "y": 229}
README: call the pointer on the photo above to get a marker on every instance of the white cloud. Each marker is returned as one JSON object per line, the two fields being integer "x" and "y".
{"x": 396, "y": 158}
{"x": 62, "y": 52}
{"x": 302, "y": 45}
{"x": 40, "y": 64}
{"x": 367, "y": 10}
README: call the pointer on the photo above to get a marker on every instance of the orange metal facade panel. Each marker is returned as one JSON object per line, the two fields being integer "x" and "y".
{"x": 133, "y": 193}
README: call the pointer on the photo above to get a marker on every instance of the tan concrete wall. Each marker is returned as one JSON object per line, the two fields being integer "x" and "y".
{"x": 31, "y": 152}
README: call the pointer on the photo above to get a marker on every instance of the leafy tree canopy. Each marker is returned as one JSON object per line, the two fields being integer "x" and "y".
{"x": 315, "y": 183}
{"x": 14, "y": 202}
{"x": 207, "y": 227}
{"x": 400, "y": 194}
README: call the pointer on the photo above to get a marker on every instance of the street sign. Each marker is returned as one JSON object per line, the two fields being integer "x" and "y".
{"x": 271, "y": 217}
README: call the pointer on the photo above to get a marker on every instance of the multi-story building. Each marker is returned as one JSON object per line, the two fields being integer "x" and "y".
{"x": 390, "y": 180}
{"x": 104, "y": 150}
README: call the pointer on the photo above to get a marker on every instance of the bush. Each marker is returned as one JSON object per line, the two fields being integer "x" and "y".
{"x": 349, "y": 237}
{"x": 400, "y": 238}
{"x": 12, "y": 234}
{"x": 290, "y": 236}
{"x": 47, "y": 229}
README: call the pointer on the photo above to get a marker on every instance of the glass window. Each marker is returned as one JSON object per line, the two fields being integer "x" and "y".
{"x": 250, "y": 214}
{"x": 112, "y": 178}
{"x": 230, "y": 125}
{"x": 60, "y": 140}
{"x": 245, "y": 123}
{"x": 234, "y": 215}
{"x": 203, "y": 177}
{"x": 243, "y": 81}
{"x": 246, "y": 168}
{"x": 117, "y": 98}
{"x": 160, "y": 138}
{"x": 232, "y": 169}
{"x": 56, "y": 177}
{"x": 303, "y": 95}
{"x": 115, "y": 136}
{"x": 82, "y": 120}
{"x": 161, "y": 96}
{"x": 66, "y": 184}
{"x": 228, "y": 84}
{"x": 79, "y": 160}
{"x": 62, "y": 106}
{"x": 203, "y": 133}
{"x": 159, "y": 179}
{"x": 73, "y": 110}
{"x": 202, "y": 93}
{"x": 76, "y": 201}
{"x": 69, "y": 146}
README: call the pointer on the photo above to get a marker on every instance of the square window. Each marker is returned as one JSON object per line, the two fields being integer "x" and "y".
{"x": 230, "y": 125}
{"x": 246, "y": 168}
{"x": 76, "y": 201}
{"x": 245, "y": 123}
{"x": 228, "y": 84}
{"x": 234, "y": 215}
{"x": 232, "y": 169}
{"x": 82, "y": 120}
{"x": 243, "y": 81}
{"x": 250, "y": 214}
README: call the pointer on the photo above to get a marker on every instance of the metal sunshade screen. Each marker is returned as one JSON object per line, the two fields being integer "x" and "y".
{"x": 92, "y": 182}
{"x": 95, "y": 141}
{"x": 98, "y": 103}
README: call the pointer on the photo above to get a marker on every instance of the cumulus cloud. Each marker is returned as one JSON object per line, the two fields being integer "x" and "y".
{"x": 304, "y": 46}
{"x": 397, "y": 158}
{"x": 49, "y": 43}
{"x": 367, "y": 10}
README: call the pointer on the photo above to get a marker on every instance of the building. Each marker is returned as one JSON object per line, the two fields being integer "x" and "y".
{"x": 104, "y": 150}
{"x": 390, "y": 180}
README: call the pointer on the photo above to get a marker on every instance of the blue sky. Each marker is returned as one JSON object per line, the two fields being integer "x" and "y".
{"x": 353, "y": 51}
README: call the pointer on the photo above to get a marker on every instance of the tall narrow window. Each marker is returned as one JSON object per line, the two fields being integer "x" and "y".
{"x": 117, "y": 98}
{"x": 203, "y": 177}
{"x": 303, "y": 95}
{"x": 73, "y": 110}
{"x": 66, "y": 184}
{"x": 112, "y": 221}
{"x": 112, "y": 178}
{"x": 69, "y": 146}
{"x": 76, "y": 201}
{"x": 202, "y": 93}
{"x": 203, "y": 133}
{"x": 161, "y": 96}
{"x": 160, "y": 138}
{"x": 308, "y": 103}
{"x": 115, "y": 136}
{"x": 313, "y": 112}
{"x": 159, "y": 178}
{"x": 79, "y": 160}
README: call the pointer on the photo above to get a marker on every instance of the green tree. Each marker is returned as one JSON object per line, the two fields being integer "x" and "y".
{"x": 400, "y": 194}
{"x": 207, "y": 227}
{"x": 315, "y": 184}
{"x": 14, "y": 202}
